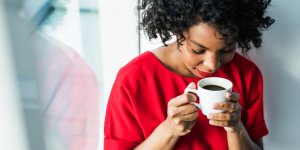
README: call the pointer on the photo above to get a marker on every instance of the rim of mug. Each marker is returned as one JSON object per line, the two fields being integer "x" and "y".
{"x": 228, "y": 84}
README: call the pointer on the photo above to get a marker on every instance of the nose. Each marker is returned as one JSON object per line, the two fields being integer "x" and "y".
{"x": 212, "y": 63}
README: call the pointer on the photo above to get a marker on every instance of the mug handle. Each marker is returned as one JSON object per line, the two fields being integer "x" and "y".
{"x": 190, "y": 90}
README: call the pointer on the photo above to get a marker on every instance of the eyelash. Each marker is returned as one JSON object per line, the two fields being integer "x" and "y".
{"x": 203, "y": 51}
{"x": 198, "y": 52}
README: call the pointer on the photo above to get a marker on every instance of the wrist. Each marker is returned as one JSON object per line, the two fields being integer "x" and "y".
{"x": 167, "y": 131}
{"x": 234, "y": 129}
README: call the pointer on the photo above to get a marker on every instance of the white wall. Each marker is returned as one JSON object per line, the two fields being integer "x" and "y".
{"x": 279, "y": 60}
{"x": 118, "y": 44}
{"x": 13, "y": 134}
{"x": 20, "y": 37}
{"x": 33, "y": 6}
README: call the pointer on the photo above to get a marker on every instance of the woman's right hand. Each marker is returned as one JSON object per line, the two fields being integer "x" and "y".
{"x": 182, "y": 115}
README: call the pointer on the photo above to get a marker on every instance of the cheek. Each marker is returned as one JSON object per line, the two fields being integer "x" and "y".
{"x": 193, "y": 60}
{"x": 190, "y": 59}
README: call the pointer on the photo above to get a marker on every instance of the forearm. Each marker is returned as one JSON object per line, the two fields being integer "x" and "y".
{"x": 160, "y": 138}
{"x": 240, "y": 139}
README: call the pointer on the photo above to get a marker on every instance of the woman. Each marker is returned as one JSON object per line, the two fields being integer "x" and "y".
{"x": 148, "y": 109}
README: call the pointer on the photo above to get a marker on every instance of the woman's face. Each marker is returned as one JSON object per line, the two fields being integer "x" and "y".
{"x": 204, "y": 51}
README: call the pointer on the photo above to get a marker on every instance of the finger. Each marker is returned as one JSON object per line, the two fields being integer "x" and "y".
{"x": 192, "y": 85}
{"x": 190, "y": 117}
{"x": 229, "y": 106}
{"x": 189, "y": 108}
{"x": 233, "y": 96}
{"x": 182, "y": 110}
{"x": 222, "y": 116}
{"x": 182, "y": 100}
{"x": 220, "y": 123}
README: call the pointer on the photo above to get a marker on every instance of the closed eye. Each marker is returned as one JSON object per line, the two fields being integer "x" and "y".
{"x": 198, "y": 51}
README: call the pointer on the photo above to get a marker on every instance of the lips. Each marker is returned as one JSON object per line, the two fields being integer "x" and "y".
{"x": 204, "y": 74}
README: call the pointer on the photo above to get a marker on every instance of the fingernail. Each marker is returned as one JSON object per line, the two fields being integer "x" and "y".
{"x": 195, "y": 97}
{"x": 192, "y": 85}
{"x": 228, "y": 94}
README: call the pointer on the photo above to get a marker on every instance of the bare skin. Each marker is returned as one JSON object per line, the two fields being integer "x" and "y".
{"x": 202, "y": 53}
{"x": 182, "y": 116}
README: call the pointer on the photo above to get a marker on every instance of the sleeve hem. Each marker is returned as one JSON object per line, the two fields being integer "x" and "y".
{"x": 117, "y": 144}
{"x": 258, "y": 131}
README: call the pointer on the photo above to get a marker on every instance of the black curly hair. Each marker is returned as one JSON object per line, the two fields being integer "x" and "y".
{"x": 239, "y": 20}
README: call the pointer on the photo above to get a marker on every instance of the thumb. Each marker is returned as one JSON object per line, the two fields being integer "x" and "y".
{"x": 192, "y": 85}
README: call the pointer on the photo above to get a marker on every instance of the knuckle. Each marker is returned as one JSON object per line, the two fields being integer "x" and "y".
{"x": 171, "y": 112}
{"x": 177, "y": 121}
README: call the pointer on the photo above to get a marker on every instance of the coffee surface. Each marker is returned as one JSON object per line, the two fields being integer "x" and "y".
{"x": 213, "y": 87}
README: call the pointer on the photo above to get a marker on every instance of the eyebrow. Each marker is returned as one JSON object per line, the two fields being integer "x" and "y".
{"x": 202, "y": 46}
{"x": 198, "y": 44}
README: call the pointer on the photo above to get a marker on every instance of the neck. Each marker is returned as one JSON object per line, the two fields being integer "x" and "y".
{"x": 172, "y": 60}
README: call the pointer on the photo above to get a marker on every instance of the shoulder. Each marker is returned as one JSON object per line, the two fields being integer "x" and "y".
{"x": 140, "y": 67}
{"x": 245, "y": 64}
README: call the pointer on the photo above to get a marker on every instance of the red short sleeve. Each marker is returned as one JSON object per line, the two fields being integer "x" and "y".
{"x": 117, "y": 144}
{"x": 258, "y": 131}
{"x": 255, "y": 123}
{"x": 121, "y": 128}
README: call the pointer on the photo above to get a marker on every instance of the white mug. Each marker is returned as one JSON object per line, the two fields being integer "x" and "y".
{"x": 209, "y": 92}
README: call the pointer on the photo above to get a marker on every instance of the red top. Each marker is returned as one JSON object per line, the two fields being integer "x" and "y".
{"x": 140, "y": 94}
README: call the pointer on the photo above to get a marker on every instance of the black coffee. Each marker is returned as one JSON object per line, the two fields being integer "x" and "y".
{"x": 213, "y": 87}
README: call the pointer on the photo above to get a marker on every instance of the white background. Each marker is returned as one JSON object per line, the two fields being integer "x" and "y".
{"x": 279, "y": 60}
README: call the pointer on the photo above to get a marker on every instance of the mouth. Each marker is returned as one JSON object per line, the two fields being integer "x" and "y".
{"x": 204, "y": 74}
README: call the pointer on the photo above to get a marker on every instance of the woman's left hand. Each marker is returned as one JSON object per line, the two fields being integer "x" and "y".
{"x": 230, "y": 119}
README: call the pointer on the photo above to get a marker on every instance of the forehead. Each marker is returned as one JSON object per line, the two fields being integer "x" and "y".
{"x": 206, "y": 35}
